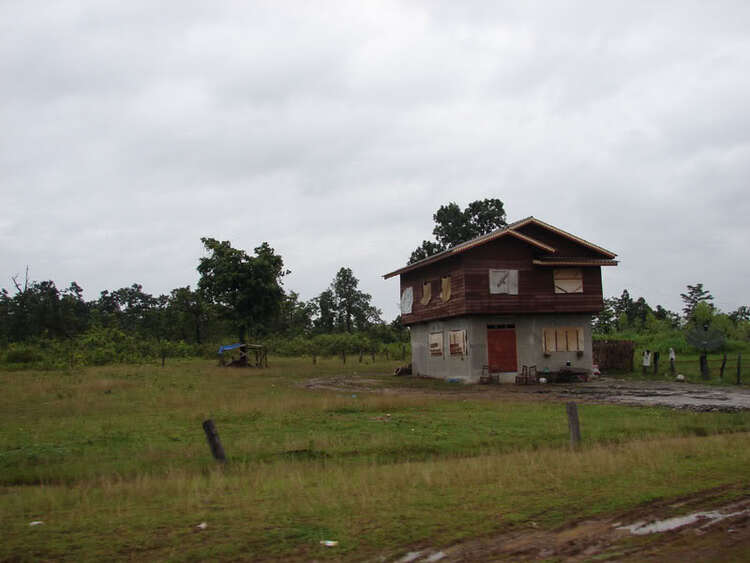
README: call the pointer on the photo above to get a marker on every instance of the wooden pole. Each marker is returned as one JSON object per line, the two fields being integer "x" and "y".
{"x": 704, "y": 366}
{"x": 217, "y": 450}
{"x": 723, "y": 365}
{"x": 656, "y": 363}
{"x": 573, "y": 425}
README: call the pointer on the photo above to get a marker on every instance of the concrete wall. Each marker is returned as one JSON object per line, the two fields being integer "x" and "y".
{"x": 529, "y": 345}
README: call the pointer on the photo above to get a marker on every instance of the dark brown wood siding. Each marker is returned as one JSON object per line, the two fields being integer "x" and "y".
{"x": 470, "y": 291}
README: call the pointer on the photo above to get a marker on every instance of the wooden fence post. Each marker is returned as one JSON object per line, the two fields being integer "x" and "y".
{"x": 213, "y": 440}
{"x": 704, "y": 366}
{"x": 723, "y": 365}
{"x": 360, "y": 355}
{"x": 343, "y": 356}
{"x": 315, "y": 358}
{"x": 573, "y": 426}
{"x": 656, "y": 363}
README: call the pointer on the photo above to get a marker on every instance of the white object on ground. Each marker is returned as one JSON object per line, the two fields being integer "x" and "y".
{"x": 329, "y": 543}
{"x": 711, "y": 517}
{"x": 680, "y": 377}
{"x": 202, "y": 526}
{"x": 542, "y": 380}
{"x": 36, "y": 523}
{"x": 436, "y": 556}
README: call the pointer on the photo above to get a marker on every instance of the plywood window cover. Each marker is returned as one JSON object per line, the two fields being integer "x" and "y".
{"x": 504, "y": 282}
{"x": 445, "y": 288}
{"x": 426, "y": 293}
{"x": 407, "y": 301}
{"x": 563, "y": 339}
{"x": 457, "y": 341}
{"x": 568, "y": 280}
{"x": 436, "y": 343}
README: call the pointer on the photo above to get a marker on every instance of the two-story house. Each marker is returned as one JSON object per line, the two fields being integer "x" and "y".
{"x": 521, "y": 295}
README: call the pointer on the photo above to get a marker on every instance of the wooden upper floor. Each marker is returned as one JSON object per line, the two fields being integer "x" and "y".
{"x": 527, "y": 267}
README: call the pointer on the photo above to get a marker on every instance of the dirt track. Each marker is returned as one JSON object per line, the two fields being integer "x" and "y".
{"x": 725, "y": 537}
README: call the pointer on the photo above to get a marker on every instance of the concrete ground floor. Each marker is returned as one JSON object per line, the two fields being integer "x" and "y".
{"x": 463, "y": 348}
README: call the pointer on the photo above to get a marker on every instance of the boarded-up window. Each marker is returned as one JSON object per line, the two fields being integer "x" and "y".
{"x": 563, "y": 339}
{"x": 504, "y": 281}
{"x": 426, "y": 293}
{"x": 436, "y": 343}
{"x": 407, "y": 300}
{"x": 445, "y": 288}
{"x": 457, "y": 342}
{"x": 568, "y": 280}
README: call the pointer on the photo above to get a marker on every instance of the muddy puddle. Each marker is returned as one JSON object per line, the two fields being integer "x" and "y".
{"x": 674, "y": 395}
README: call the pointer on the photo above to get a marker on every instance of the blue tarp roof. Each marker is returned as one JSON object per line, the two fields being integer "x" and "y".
{"x": 227, "y": 347}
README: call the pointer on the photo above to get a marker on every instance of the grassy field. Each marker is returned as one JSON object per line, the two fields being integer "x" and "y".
{"x": 113, "y": 460}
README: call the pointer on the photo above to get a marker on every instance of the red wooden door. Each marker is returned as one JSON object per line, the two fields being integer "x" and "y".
{"x": 501, "y": 350}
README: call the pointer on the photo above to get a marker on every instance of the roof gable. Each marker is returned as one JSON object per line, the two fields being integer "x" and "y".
{"x": 514, "y": 230}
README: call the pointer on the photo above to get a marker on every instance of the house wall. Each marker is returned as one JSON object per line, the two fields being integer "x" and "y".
{"x": 529, "y": 345}
{"x": 470, "y": 293}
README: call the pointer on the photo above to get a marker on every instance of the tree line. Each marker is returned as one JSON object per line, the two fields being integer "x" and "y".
{"x": 699, "y": 322}
{"x": 238, "y": 296}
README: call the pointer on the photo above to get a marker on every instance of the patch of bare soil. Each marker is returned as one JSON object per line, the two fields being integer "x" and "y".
{"x": 604, "y": 390}
{"x": 709, "y": 530}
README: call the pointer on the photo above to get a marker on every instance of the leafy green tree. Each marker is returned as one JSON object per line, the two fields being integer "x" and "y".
{"x": 295, "y": 315}
{"x": 695, "y": 294}
{"x": 190, "y": 310}
{"x": 604, "y": 321}
{"x": 740, "y": 314}
{"x": 247, "y": 289}
{"x": 325, "y": 306}
{"x": 454, "y": 225}
{"x": 343, "y": 307}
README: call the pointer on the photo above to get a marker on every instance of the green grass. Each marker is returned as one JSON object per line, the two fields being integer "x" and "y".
{"x": 114, "y": 461}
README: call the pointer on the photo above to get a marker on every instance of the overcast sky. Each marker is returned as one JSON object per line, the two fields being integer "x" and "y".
{"x": 128, "y": 130}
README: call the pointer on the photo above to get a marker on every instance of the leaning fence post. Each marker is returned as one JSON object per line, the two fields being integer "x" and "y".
{"x": 573, "y": 426}
{"x": 213, "y": 440}
{"x": 656, "y": 363}
{"x": 723, "y": 365}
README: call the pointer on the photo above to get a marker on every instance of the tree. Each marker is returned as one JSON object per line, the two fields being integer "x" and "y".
{"x": 190, "y": 309}
{"x": 343, "y": 307}
{"x": 695, "y": 294}
{"x": 740, "y": 314}
{"x": 604, "y": 321}
{"x": 454, "y": 226}
{"x": 295, "y": 315}
{"x": 247, "y": 289}
{"x": 326, "y": 310}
